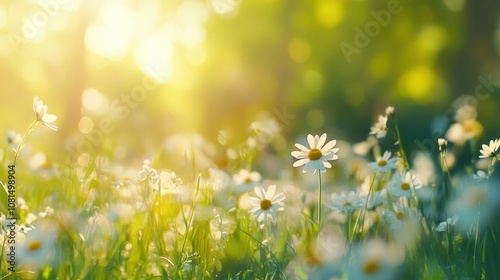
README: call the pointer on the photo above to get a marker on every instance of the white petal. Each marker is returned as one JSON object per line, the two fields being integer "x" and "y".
{"x": 49, "y": 118}
{"x": 270, "y": 192}
{"x": 302, "y": 147}
{"x": 321, "y": 141}
{"x": 300, "y": 162}
{"x": 328, "y": 146}
{"x": 299, "y": 154}
{"x": 310, "y": 140}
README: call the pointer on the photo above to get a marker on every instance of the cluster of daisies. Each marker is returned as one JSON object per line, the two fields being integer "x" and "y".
{"x": 367, "y": 231}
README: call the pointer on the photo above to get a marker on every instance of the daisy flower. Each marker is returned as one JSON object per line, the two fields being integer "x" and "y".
{"x": 376, "y": 199}
{"x": 346, "y": 202}
{"x": 442, "y": 143}
{"x": 375, "y": 259}
{"x": 13, "y": 138}
{"x": 475, "y": 203}
{"x": 480, "y": 176}
{"x": 41, "y": 115}
{"x": 316, "y": 157}
{"x": 167, "y": 182}
{"x": 38, "y": 244}
{"x": 380, "y": 128}
{"x": 491, "y": 149}
{"x": 389, "y": 111}
{"x": 384, "y": 163}
{"x": 267, "y": 202}
{"x": 402, "y": 185}
{"x": 444, "y": 226}
{"x": 245, "y": 181}
{"x": 148, "y": 173}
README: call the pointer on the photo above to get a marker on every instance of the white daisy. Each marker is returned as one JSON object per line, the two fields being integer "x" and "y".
{"x": 13, "y": 138}
{"x": 346, "y": 202}
{"x": 245, "y": 181}
{"x": 442, "y": 143}
{"x": 167, "y": 181}
{"x": 475, "y": 203}
{"x": 491, "y": 149}
{"x": 389, "y": 111}
{"x": 376, "y": 199}
{"x": 380, "y": 128}
{"x": 267, "y": 202}
{"x": 148, "y": 173}
{"x": 38, "y": 244}
{"x": 480, "y": 176}
{"x": 375, "y": 259}
{"x": 41, "y": 115}
{"x": 445, "y": 226}
{"x": 384, "y": 163}
{"x": 316, "y": 157}
{"x": 402, "y": 185}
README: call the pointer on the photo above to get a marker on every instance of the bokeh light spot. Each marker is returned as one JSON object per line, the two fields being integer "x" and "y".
{"x": 418, "y": 82}
{"x": 93, "y": 100}
{"x": 329, "y": 13}
{"x": 86, "y": 125}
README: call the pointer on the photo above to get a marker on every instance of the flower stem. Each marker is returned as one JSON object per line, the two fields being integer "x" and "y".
{"x": 319, "y": 200}
{"x": 21, "y": 143}
{"x": 400, "y": 144}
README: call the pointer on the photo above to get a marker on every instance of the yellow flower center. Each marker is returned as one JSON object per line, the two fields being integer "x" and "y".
{"x": 35, "y": 245}
{"x": 265, "y": 204}
{"x": 382, "y": 163}
{"x": 371, "y": 267}
{"x": 248, "y": 180}
{"x": 314, "y": 154}
{"x": 400, "y": 215}
{"x": 405, "y": 186}
{"x": 347, "y": 203}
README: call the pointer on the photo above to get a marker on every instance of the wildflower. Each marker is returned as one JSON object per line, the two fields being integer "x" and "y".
{"x": 380, "y": 128}
{"x": 442, "y": 143}
{"x": 245, "y": 181}
{"x": 376, "y": 199}
{"x": 476, "y": 203}
{"x": 480, "y": 176}
{"x": 41, "y": 115}
{"x": 384, "y": 163}
{"x": 148, "y": 173}
{"x": 38, "y": 244}
{"x": 403, "y": 184}
{"x": 444, "y": 226}
{"x": 400, "y": 216}
{"x": 13, "y": 138}
{"x": 389, "y": 111}
{"x": 346, "y": 202}
{"x": 375, "y": 260}
{"x": 267, "y": 202}
{"x": 316, "y": 157}
{"x": 491, "y": 149}
{"x": 167, "y": 182}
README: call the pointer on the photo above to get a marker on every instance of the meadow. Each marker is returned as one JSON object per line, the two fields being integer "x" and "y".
{"x": 328, "y": 209}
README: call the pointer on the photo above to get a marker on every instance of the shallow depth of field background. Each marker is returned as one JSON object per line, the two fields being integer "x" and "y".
{"x": 222, "y": 62}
